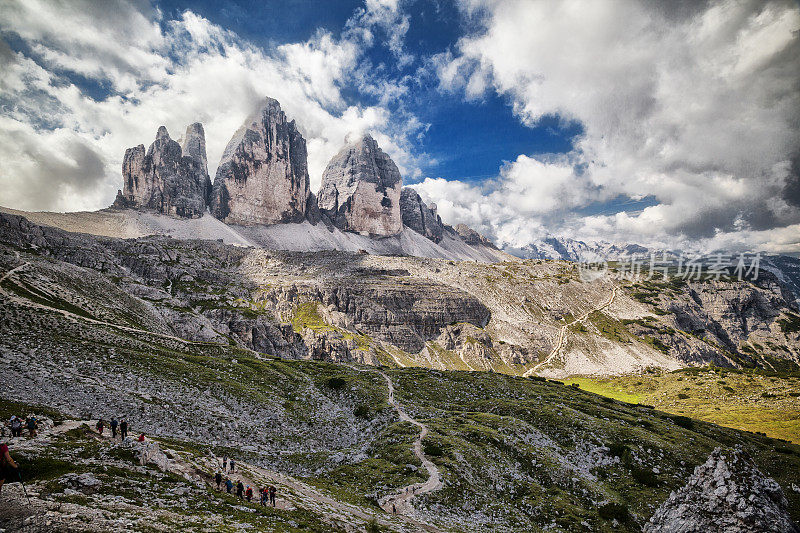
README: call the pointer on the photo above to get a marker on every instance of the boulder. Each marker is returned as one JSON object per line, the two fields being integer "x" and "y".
{"x": 726, "y": 494}
{"x": 164, "y": 179}
{"x": 262, "y": 177}
{"x": 361, "y": 190}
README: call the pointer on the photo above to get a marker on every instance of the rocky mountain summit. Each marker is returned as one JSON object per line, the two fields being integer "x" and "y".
{"x": 262, "y": 196}
{"x": 726, "y": 494}
{"x": 361, "y": 190}
{"x": 262, "y": 177}
{"x": 165, "y": 178}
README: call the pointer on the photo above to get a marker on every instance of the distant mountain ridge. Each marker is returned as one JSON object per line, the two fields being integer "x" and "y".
{"x": 785, "y": 268}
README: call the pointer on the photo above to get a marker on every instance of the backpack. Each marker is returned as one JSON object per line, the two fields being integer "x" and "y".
{"x": 16, "y": 424}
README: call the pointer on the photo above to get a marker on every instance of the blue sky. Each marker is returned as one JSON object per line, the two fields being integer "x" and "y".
{"x": 467, "y": 140}
{"x": 591, "y": 120}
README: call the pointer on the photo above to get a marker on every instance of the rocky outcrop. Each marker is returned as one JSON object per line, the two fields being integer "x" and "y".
{"x": 165, "y": 179}
{"x": 472, "y": 237}
{"x": 262, "y": 177}
{"x": 361, "y": 190}
{"x": 727, "y": 494}
{"x": 419, "y": 217}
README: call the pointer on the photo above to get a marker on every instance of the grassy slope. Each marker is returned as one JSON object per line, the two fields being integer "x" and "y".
{"x": 742, "y": 400}
{"x": 486, "y": 435}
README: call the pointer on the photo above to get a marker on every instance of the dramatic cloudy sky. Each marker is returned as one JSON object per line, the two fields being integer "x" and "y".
{"x": 663, "y": 123}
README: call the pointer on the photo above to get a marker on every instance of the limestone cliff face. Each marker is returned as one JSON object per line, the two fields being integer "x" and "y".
{"x": 361, "y": 190}
{"x": 419, "y": 217}
{"x": 262, "y": 177}
{"x": 164, "y": 179}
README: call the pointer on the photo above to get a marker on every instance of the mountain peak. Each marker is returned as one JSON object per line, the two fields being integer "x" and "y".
{"x": 361, "y": 189}
{"x": 263, "y": 175}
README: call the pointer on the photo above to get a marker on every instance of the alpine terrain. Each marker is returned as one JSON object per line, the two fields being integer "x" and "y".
{"x": 380, "y": 369}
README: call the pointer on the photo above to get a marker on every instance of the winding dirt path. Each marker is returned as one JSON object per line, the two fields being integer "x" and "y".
{"x": 400, "y": 501}
{"x": 562, "y": 334}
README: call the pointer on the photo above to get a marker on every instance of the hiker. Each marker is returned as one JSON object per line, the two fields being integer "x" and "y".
{"x": 272, "y": 491}
{"x": 264, "y": 495}
{"x": 141, "y": 438}
{"x": 8, "y": 468}
{"x": 32, "y": 426}
{"x": 16, "y": 426}
{"x": 218, "y": 479}
{"x": 228, "y": 485}
{"x": 394, "y": 509}
{"x": 123, "y": 429}
{"x": 233, "y": 465}
{"x": 99, "y": 426}
{"x": 249, "y": 493}
{"x": 114, "y": 425}
{"x": 239, "y": 488}
{"x": 225, "y": 464}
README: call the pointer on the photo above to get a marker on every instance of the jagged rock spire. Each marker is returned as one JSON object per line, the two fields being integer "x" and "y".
{"x": 163, "y": 179}
{"x": 419, "y": 217}
{"x": 361, "y": 190}
{"x": 194, "y": 146}
{"x": 262, "y": 177}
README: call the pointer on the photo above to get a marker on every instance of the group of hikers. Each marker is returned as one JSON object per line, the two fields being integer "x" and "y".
{"x": 9, "y": 470}
{"x": 17, "y": 424}
{"x": 115, "y": 424}
{"x": 266, "y": 494}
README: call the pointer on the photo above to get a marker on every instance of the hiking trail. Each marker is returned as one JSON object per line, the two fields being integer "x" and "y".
{"x": 402, "y": 499}
{"x": 563, "y": 332}
{"x": 199, "y": 470}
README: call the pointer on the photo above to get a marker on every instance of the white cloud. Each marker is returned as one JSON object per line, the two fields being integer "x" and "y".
{"x": 697, "y": 106}
{"x": 160, "y": 72}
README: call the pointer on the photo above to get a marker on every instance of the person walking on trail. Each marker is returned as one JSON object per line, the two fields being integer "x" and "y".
{"x": 33, "y": 425}
{"x": 114, "y": 425}
{"x": 264, "y": 495}
{"x": 99, "y": 426}
{"x": 225, "y": 464}
{"x": 272, "y": 491}
{"x": 240, "y": 489}
{"x": 228, "y": 485}
{"x": 16, "y": 426}
{"x": 233, "y": 465}
{"x": 218, "y": 479}
{"x": 8, "y": 468}
{"x": 123, "y": 429}
{"x": 249, "y": 493}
